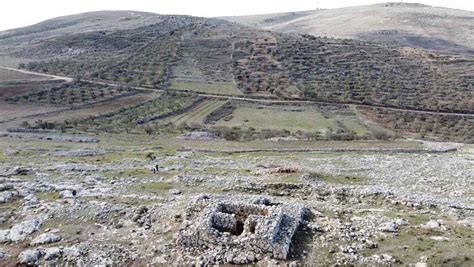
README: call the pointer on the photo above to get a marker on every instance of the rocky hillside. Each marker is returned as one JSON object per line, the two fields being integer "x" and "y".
{"x": 408, "y": 24}
{"x": 84, "y": 22}
{"x": 189, "y": 52}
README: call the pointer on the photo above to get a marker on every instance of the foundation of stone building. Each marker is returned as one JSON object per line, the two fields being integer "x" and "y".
{"x": 260, "y": 227}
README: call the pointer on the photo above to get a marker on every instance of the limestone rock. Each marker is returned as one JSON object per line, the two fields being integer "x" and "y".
{"x": 4, "y": 254}
{"x": 45, "y": 238}
{"x": 389, "y": 227}
{"x": 52, "y": 253}
{"x": 431, "y": 225}
{"x": 30, "y": 256}
{"x": 67, "y": 194}
{"x": 6, "y": 196}
{"x": 174, "y": 191}
{"x": 439, "y": 238}
{"x": 20, "y": 231}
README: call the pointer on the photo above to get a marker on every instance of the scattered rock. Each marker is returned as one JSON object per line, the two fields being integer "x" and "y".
{"x": 11, "y": 152}
{"x": 198, "y": 136}
{"x": 5, "y": 187}
{"x": 30, "y": 256}
{"x": 52, "y": 253}
{"x": 79, "y": 167}
{"x": 439, "y": 238}
{"x": 53, "y": 137}
{"x": 469, "y": 222}
{"x": 86, "y": 152}
{"x": 431, "y": 225}
{"x": 174, "y": 191}
{"x": 21, "y": 171}
{"x": 93, "y": 179}
{"x": 381, "y": 259}
{"x": 31, "y": 200}
{"x": 45, "y": 238}
{"x": 4, "y": 254}
{"x": 20, "y": 231}
{"x": 67, "y": 194}
{"x": 72, "y": 252}
{"x": 142, "y": 217}
{"x": 4, "y": 236}
{"x": 6, "y": 196}
{"x": 277, "y": 170}
{"x": 389, "y": 227}
{"x": 401, "y": 222}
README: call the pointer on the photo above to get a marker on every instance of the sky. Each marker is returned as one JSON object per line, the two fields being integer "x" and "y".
{"x": 19, "y": 13}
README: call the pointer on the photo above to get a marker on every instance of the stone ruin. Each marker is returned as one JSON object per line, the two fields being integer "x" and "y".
{"x": 238, "y": 232}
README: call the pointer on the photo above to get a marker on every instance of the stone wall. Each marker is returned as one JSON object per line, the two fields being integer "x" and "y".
{"x": 240, "y": 232}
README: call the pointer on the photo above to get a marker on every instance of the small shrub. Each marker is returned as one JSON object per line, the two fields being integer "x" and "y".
{"x": 381, "y": 135}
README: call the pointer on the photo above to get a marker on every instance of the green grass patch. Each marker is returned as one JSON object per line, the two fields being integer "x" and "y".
{"x": 354, "y": 125}
{"x": 10, "y": 206}
{"x": 48, "y": 196}
{"x": 278, "y": 119}
{"x": 224, "y": 171}
{"x": 133, "y": 201}
{"x": 112, "y": 157}
{"x": 216, "y": 170}
{"x": 71, "y": 231}
{"x": 156, "y": 186}
{"x": 136, "y": 173}
{"x": 413, "y": 219}
{"x": 412, "y": 243}
{"x": 3, "y": 157}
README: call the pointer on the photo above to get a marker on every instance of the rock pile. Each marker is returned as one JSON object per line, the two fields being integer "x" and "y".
{"x": 35, "y": 255}
{"x": 238, "y": 232}
{"x": 20, "y": 231}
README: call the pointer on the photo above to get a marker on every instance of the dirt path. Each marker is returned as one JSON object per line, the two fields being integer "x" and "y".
{"x": 251, "y": 98}
{"x": 54, "y": 77}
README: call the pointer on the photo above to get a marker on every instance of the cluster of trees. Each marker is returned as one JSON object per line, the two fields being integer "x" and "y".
{"x": 427, "y": 126}
{"x": 350, "y": 71}
{"x": 126, "y": 120}
{"x": 70, "y": 94}
{"x": 255, "y": 69}
{"x": 288, "y": 66}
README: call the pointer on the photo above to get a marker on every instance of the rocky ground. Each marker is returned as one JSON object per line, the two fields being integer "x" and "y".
{"x": 63, "y": 200}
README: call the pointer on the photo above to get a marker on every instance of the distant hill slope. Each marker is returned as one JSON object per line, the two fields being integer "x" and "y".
{"x": 408, "y": 24}
{"x": 74, "y": 24}
{"x": 90, "y": 21}
{"x": 214, "y": 55}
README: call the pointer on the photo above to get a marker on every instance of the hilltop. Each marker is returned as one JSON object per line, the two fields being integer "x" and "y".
{"x": 84, "y": 22}
{"x": 414, "y": 25}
